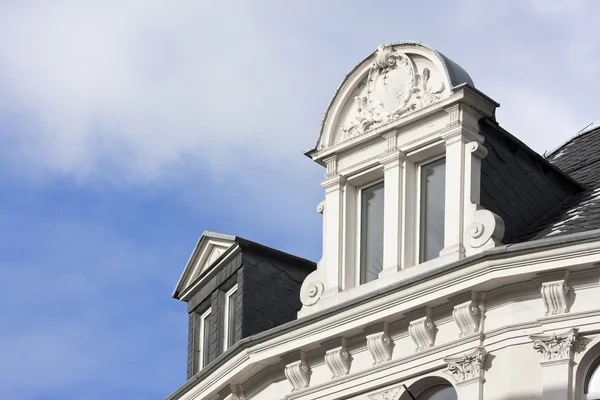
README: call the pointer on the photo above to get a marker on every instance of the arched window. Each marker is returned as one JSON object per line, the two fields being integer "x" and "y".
{"x": 592, "y": 382}
{"x": 438, "y": 392}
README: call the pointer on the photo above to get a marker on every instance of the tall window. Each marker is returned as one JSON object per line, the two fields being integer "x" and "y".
{"x": 371, "y": 232}
{"x": 203, "y": 339}
{"x": 230, "y": 317}
{"x": 592, "y": 382}
{"x": 433, "y": 187}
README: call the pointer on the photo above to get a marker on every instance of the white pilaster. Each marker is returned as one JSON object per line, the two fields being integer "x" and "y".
{"x": 393, "y": 172}
{"x": 467, "y": 371}
{"x": 333, "y": 220}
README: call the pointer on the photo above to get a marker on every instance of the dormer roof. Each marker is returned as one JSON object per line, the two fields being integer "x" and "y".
{"x": 209, "y": 248}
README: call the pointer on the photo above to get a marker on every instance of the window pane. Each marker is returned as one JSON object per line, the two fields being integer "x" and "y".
{"x": 439, "y": 392}
{"x": 371, "y": 240}
{"x": 205, "y": 339}
{"x": 433, "y": 187}
{"x": 231, "y": 319}
{"x": 593, "y": 385}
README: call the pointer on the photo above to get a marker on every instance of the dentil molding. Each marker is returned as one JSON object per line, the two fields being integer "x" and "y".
{"x": 339, "y": 360}
{"x": 422, "y": 331}
{"x": 380, "y": 346}
{"x": 298, "y": 373}
{"x": 466, "y": 367}
{"x": 555, "y": 347}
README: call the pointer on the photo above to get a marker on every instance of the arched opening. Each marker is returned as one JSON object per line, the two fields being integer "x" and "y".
{"x": 430, "y": 388}
{"x": 438, "y": 392}
{"x": 591, "y": 386}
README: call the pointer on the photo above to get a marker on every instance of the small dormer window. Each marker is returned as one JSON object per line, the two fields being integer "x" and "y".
{"x": 371, "y": 232}
{"x": 432, "y": 209}
{"x": 230, "y": 317}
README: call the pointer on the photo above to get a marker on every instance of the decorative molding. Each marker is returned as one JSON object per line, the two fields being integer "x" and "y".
{"x": 332, "y": 183}
{"x": 422, "y": 331}
{"x": 453, "y": 116}
{"x": 380, "y": 346}
{"x": 298, "y": 373}
{"x": 389, "y": 394}
{"x": 237, "y": 393}
{"x": 321, "y": 207}
{"x": 466, "y": 367}
{"x": 312, "y": 289}
{"x": 487, "y": 229}
{"x": 339, "y": 360}
{"x": 393, "y": 88}
{"x": 477, "y": 149}
{"x": 556, "y": 347}
{"x": 332, "y": 167}
{"x": 467, "y": 316}
{"x": 554, "y": 294}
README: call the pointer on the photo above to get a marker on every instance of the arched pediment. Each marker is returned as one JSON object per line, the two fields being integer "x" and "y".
{"x": 392, "y": 82}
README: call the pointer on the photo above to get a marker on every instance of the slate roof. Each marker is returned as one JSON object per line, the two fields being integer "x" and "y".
{"x": 579, "y": 158}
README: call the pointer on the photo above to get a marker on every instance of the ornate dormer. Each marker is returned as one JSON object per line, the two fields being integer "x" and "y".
{"x": 402, "y": 148}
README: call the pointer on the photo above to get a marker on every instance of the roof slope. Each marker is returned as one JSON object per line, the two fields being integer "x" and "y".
{"x": 580, "y": 159}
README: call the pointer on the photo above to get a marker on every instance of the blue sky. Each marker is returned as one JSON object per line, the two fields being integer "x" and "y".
{"x": 127, "y": 127}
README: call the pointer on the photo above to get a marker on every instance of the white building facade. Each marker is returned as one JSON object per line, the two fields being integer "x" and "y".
{"x": 457, "y": 263}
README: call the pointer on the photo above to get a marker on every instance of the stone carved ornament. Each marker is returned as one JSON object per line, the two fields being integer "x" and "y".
{"x": 394, "y": 87}
{"x": 380, "y": 346}
{"x": 338, "y": 360}
{"x": 422, "y": 332}
{"x": 389, "y": 394}
{"x": 555, "y": 347}
{"x": 466, "y": 367}
{"x": 298, "y": 373}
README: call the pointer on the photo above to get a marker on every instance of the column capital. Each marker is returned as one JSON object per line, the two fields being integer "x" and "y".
{"x": 467, "y": 368}
{"x": 391, "y": 157}
{"x": 335, "y": 181}
{"x": 555, "y": 347}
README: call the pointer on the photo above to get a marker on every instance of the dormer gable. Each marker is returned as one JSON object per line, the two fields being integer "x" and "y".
{"x": 402, "y": 148}
{"x": 209, "y": 248}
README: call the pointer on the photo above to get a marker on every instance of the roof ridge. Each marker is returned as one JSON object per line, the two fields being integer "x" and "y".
{"x": 582, "y": 132}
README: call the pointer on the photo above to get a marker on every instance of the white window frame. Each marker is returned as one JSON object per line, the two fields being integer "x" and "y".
{"x": 359, "y": 226}
{"x": 588, "y": 376}
{"x": 226, "y": 329}
{"x": 417, "y": 250}
{"x": 202, "y": 345}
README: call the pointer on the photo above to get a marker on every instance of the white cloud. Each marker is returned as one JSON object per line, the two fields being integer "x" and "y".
{"x": 139, "y": 89}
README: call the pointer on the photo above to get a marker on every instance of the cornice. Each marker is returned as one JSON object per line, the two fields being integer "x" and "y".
{"x": 512, "y": 260}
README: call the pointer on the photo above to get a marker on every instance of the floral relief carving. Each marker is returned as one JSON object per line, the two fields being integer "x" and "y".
{"x": 467, "y": 367}
{"x": 390, "y": 394}
{"x": 393, "y": 88}
{"x": 555, "y": 347}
